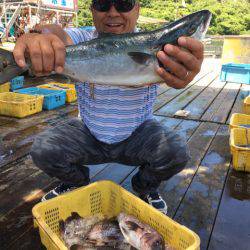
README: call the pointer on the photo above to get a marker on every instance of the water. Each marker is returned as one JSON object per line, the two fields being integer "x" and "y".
{"x": 239, "y": 185}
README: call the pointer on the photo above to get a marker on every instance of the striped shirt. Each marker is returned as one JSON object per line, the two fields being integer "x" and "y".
{"x": 114, "y": 112}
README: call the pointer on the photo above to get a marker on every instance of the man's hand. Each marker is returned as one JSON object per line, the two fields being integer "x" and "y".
{"x": 184, "y": 66}
{"x": 46, "y": 52}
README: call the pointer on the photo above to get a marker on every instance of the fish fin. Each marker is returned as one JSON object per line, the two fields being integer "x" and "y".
{"x": 140, "y": 57}
{"x": 8, "y": 66}
{"x": 75, "y": 215}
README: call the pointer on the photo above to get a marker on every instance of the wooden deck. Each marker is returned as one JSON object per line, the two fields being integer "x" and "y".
{"x": 207, "y": 196}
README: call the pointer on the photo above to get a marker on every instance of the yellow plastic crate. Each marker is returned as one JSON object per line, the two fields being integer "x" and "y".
{"x": 107, "y": 199}
{"x": 5, "y": 87}
{"x": 238, "y": 120}
{"x": 19, "y": 105}
{"x": 240, "y": 148}
{"x": 69, "y": 88}
{"x": 246, "y": 105}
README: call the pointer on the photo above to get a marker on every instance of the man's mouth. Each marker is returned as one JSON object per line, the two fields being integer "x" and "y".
{"x": 113, "y": 25}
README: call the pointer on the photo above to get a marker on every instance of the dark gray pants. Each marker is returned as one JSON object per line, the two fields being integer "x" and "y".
{"x": 63, "y": 151}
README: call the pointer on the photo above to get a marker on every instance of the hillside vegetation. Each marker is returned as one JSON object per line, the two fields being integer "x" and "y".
{"x": 230, "y": 17}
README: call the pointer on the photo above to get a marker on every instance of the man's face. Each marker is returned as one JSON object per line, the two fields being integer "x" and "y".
{"x": 115, "y": 22}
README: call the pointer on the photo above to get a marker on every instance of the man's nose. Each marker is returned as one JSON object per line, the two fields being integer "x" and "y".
{"x": 113, "y": 12}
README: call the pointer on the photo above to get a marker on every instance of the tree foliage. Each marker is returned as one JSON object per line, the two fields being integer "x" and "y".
{"x": 230, "y": 17}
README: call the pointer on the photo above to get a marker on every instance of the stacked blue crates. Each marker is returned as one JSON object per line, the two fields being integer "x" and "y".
{"x": 233, "y": 72}
{"x": 52, "y": 98}
{"x": 16, "y": 83}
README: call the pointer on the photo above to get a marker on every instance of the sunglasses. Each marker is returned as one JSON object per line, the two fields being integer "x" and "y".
{"x": 120, "y": 5}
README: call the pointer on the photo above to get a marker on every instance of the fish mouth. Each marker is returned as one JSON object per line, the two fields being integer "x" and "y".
{"x": 203, "y": 27}
{"x": 206, "y": 22}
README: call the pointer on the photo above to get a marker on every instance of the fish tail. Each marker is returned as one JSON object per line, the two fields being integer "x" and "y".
{"x": 8, "y": 67}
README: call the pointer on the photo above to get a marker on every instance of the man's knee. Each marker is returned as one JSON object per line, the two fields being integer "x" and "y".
{"x": 172, "y": 162}
{"x": 42, "y": 153}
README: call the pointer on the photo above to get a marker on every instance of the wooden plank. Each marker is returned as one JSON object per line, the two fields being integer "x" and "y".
{"x": 11, "y": 174}
{"x": 169, "y": 95}
{"x": 167, "y": 121}
{"x": 29, "y": 240}
{"x": 199, "y": 206}
{"x": 126, "y": 183}
{"x": 231, "y": 229}
{"x": 182, "y": 100}
{"x": 29, "y": 180}
{"x": 16, "y": 172}
{"x": 187, "y": 128}
{"x": 200, "y": 104}
{"x": 23, "y": 191}
{"x": 174, "y": 189}
{"x": 162, "y": 88}
{"x": 237, "y": 107}
{"x": 19, "y": 203}
{"x": 17, "y": 143}
{"x": 47, "y": 117}
{"x": 20, "y": 219}
{"x": 5, "y": 120}
{"x": 114, "y": 172}
{"x": 220, "y": 108}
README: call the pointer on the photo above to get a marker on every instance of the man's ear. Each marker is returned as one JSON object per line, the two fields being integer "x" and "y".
{"x": 91, "y": 8}
{"x": 137, "y": 7}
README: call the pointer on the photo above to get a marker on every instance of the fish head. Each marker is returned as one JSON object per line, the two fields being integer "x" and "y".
{"x": 198, "y": 24}
{"x": 194, "y": 25}
{"x": 130, "y": 230}
{"x": 139, "y": 235}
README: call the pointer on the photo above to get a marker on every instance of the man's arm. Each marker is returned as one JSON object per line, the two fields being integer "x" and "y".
{"x": 188, "y": 57}
{"x": 46, "y": 50}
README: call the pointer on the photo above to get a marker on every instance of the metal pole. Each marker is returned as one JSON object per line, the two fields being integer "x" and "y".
{"x": 29, "y": 16}
{"x": 4, "y": 11}
{"x": 76, "y": 19}
{"x": 5, "y": 20}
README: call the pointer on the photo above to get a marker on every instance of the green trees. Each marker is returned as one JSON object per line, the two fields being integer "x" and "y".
{"x": 230, "y": 17}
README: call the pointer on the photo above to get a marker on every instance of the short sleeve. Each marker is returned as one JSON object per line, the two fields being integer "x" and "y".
{"x": 79, "y": 35}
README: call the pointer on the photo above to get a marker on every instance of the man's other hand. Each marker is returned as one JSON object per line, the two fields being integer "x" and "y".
{"x": 182, "y": 62}
{"x": 46, "y": 53}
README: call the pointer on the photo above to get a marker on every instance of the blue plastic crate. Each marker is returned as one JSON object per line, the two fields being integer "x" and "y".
{"x": 87, "y": 28}
{"x": 17, "y": 82}
{"x": 233, "y": 72}
{"x": 52, "y": 98}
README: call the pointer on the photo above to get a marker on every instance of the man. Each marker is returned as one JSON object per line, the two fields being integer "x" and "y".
{"x": 116, "y": 123}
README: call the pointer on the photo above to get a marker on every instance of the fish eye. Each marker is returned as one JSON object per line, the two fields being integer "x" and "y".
{"x": 157, "y": 245}
{"x": 192, "y": 29}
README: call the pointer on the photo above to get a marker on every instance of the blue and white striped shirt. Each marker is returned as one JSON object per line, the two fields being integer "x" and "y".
{"x": 114, "y": 112}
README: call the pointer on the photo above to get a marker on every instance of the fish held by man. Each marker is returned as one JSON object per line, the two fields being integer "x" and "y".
{"x": 122, "y": 59}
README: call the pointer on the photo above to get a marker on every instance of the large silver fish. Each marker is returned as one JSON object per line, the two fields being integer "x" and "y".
{"x": 125, "y": 59}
